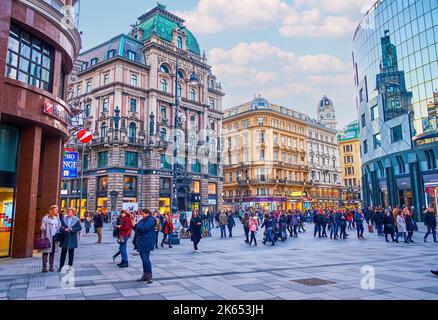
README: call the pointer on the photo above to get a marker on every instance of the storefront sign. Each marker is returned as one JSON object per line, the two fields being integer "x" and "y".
{"x": 162, "y": 173}
{"x": 70, "y": 165}
{"x": 296, "y": 194}
{"x": 130, "y": 207}
{"x": 212, "y": 201}
{"x": 404, "y": 183}
{"x": 430, "y": 179}
{"x": 58, "y": 112}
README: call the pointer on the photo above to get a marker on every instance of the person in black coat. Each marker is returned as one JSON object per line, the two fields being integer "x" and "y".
{"x": 410, "y": 227}
{"x": 231, "y": 224}
{"x": 389, "y": 226}
{"x": 195, "y": 229}
{"x": 317, "y": 220}
{"x": 430, "y": 222}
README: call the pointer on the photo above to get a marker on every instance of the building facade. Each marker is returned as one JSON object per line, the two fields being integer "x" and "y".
{"x": 324, "y": 156}
{"x": 38, "y": 46}
{"x": 395, "y": 59}
{"x": 351, "y": 171}
{"x": 127, "y": 88}
{"x": 265, "y": 157}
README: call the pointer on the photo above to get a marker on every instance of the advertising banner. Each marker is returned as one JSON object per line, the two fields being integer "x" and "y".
{"x": 70, "y": 164}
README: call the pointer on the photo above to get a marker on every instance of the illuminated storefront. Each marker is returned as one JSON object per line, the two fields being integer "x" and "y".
{"x": 102, "y": 202}
{"x": 8, "y": 162}
{"x": 165, "y": 194}
{"x": 212, "y": 197}
{"x": 431, "y": 190}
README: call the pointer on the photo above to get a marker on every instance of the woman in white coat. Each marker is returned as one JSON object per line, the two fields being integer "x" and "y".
{"x": 49, "y": 227}
{"x": 401, "y": 226}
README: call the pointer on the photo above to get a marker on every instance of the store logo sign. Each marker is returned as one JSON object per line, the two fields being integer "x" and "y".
{"x": 58, "y": 112}
{"x": 70, "y": 165}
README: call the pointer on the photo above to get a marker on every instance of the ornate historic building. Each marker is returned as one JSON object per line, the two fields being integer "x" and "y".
{"x": 326, "y": 114}
{"x": 127, "y": 89}
{"x": 38, "y": 46}
{"x": 351, "y": 173}
{"x": 265, "y": 158}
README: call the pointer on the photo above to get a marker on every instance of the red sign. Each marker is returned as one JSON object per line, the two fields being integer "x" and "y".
{"x": 84, "y": 136}
{"x": 57, "y": 111}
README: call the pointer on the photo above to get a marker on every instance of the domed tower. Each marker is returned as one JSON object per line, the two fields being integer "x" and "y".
{"x": 326, "y": 113}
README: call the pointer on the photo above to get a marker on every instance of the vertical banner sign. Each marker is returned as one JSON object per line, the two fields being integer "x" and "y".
{"x": 70, "y": 164}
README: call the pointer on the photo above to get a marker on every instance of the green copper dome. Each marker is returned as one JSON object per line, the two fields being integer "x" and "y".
{"x": 162, "y": 23}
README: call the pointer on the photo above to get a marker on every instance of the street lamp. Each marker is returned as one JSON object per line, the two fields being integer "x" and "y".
{"x": 179, "y": 118}
{"x": 116, "y": 119}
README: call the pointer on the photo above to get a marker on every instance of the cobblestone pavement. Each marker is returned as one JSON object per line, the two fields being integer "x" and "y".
{"x": 230, "y": 269}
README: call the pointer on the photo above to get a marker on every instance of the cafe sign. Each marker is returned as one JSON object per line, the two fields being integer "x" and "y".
{"x": 58, "y": 112}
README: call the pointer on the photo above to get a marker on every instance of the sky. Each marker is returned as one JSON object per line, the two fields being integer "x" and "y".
{"x": 291, "y": 52}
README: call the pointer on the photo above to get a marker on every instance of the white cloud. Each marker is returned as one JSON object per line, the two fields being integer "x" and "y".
{"x": 313, "y": 23}
{"x": 212, "y": 16}
{"x": 321, "y": 63}
{"x": 337, "y": 6}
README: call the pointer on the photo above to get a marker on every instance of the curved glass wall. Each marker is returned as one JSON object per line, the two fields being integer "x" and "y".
{"x": 411, "y": 26}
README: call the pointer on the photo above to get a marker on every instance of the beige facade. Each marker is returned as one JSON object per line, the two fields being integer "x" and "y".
{"x": 351, "y": 175}
{"x": 126, "y": 89}
{"x": 265, "y": 157}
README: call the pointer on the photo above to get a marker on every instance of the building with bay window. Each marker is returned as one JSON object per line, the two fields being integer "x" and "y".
{"x": 126, "y": 88}
{"x": 37, "y": 50}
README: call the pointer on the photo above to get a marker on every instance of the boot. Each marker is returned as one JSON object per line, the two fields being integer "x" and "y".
{"x": 123, "y": 264}
{"x": 51, "y": 262}
{"x": 143, "y": 278}
{"x": 149, "y": 278}
{"x": 44, "y": 263}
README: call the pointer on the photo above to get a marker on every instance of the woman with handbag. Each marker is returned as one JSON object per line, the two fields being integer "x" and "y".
{"x": 70, "y": 226}
{"x": 49, "y": 227}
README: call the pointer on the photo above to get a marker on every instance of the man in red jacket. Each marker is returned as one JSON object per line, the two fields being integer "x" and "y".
{"x": 125, "y": 233}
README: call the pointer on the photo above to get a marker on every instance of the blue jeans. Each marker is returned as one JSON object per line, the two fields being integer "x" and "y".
{"x": 334, "y": 230}
{"x": 269, "y": 234}
{"x": 223, "y": 231}
{"x": 360, "y": 229}
{"x": 317, "y": 230}
{"x": 398, "y": 235}
{"x": 123, "y": 248}
{"x": 147, "y": 266}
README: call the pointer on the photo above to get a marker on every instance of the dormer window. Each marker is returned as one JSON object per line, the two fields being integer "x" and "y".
{"x": 84, "y": 66}
{"x": 179, "y": 42}
{"x": 131, "y": 55}
{"x": 111, "y": 54}
{"x": 94, "y": 61}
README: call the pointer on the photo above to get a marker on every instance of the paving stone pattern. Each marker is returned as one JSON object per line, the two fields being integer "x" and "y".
{"x": 306, "y": 268}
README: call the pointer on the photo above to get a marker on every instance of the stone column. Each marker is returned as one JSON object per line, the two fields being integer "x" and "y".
{"x": 50, "y": 177}
{"x": 28, "y": 174}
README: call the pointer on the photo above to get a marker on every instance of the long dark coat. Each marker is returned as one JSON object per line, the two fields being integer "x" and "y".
{"x": 70, "y": 240}
{"x": 145, "y": 234}
{"x": 195, "y": 228}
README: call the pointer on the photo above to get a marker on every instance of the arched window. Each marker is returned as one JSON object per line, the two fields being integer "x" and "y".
{"x": 132, "y": 132}
{"x": 103, "y": 130}
{"x": 181, "y": 74}
{"x": 193, "y": 95}
{"x": 179, "y": 138}
{"x": 164, "y": 68}
{"x": 212, "y": 84}
{"x": 163, "y": 134}
{"x": 179, "y": 42}
{"x": 179, "y": 90}
{"x": 164, "y": 85}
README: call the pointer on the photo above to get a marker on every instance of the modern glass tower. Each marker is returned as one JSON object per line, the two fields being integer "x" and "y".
{"x": 396, "y": 75}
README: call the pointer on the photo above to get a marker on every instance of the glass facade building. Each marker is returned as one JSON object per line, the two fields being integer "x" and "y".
{"x": 396, "y": 74}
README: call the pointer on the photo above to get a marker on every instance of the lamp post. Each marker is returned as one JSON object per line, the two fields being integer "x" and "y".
{"x": 116, "y": 119}
{"x": 178, "y": 119}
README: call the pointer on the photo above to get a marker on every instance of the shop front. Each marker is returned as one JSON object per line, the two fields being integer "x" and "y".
{"x": 130, "y": 192}
{"x": 103, "y": 202}
{"x": 9, "y": 138}
{"x": 431, "y": 190}
{"x": 212, "y": 197}
{"x": 196, "y": 196}
{"x": 404, "y": 191}
{"x": 164, "y": 204}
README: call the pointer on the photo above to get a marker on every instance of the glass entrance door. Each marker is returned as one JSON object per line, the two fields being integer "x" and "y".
{"x": 7, "y": 208}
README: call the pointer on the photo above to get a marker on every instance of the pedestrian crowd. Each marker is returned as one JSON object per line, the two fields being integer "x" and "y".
{"x": 63, "y": 230}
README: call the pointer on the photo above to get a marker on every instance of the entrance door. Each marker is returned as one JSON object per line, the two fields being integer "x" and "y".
{"x": 182, "y": 199}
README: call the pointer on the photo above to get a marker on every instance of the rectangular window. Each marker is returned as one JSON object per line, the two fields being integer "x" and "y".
{"x": 212, "y": 188}
{"x": 261, "y": 121}
{"x": 102, "y": 159}
{"x": 165, "y": 162}
{"x": 131, "y": 159}
{"x": 131, "y": 55}
{"x": 196, "y": 186}
{"x": 106, "y": 78}
{"x": 397, "y": 133}
{"x": 133, "y": 80}
{"x": 105, "y": 104}
{"x": 363, "y": 121}
{"x": 212, "y": 170}
{"x": 133, "y": 105}
{"x": 212, "y": 104}
{"x": 262, "y": 155}
{"x": 94, "y": 61}
{"x": 111, "y": 54}
{"x": 29, "y": 59}
{"x": 87, "y": 112}
{"x": 130, "y": 186}
{"x": 196, "y": 167}
{"x": 88, "y": 88}
{"x": 374, "y": 113}
{"x": 377, "y": 141}
{"x": 365, "y": 147}
{"x": 102, "y": 185}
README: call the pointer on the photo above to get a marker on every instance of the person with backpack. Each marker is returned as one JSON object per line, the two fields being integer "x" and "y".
{"x": 168, "y": 229}
{"x": 125, "y": 230}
